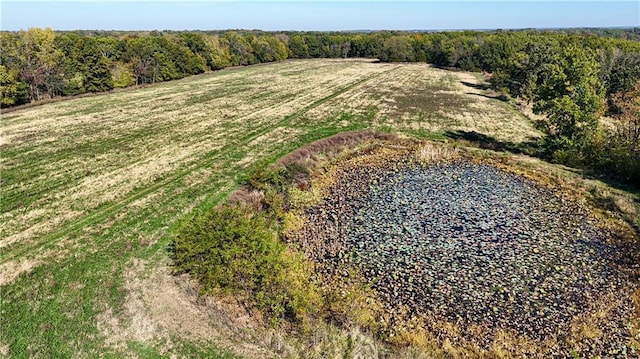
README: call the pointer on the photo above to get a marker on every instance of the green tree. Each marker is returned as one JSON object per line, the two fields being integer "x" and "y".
{"x": 150, "y": 59}
{"x": 278, "y": 47}
{"x": 139, "y": 54}
{"x": 185, "y": 61}
{"x": 121, "y": 75}
{"x": 72, "y": 75}
{"x": 521, "y": 72}
{"x": 314, "y": 44}
{"x": 620, "y": 70}
{"x": 239, "y": 48}
{"x": 12, "y": 91}
{"x": 84, "y": 57}
{"x": 194, "y": 42}
{"x": 336, "y": 45}
{"x": 268, "y": 49}
{"x": 362, "y": 45}
{"x": 397, "y": 48}
{"x": 571, "y": 96}
{"x": 298, "y": 49}
{"x": 218, "y": 56}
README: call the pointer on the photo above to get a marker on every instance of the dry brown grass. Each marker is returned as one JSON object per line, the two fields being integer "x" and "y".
{"x": 9, "y": 271}
{"x": 430, "y": 152}
{"x": 159, "y": 305}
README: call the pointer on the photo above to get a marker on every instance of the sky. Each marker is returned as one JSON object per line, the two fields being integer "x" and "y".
{"x": 315, "y": 15}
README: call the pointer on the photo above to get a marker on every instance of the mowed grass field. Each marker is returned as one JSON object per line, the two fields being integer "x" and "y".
{"x": 91, "y": 188}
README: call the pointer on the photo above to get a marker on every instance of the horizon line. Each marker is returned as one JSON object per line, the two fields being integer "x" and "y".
{"x": 354, "y": 30}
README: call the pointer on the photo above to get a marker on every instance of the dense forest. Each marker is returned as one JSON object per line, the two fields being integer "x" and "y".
{"x": 572, "y": 77}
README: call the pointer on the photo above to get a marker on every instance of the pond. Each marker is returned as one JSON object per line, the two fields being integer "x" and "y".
{"x": 467, "y": 243}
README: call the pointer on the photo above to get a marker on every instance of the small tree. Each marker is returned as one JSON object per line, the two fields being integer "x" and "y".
{"x": 231, "y": 250}
{"x": 571, "y": 96}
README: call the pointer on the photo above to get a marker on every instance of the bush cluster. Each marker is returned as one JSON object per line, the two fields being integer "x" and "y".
{"x": 232, "y": 250}
{"x": 240, "y": 249}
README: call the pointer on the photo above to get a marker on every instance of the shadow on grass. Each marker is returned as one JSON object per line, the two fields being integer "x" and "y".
{"x": 484, "y": 87}
{"x": 499, "y": 97}
{"x": 481, "y": 140}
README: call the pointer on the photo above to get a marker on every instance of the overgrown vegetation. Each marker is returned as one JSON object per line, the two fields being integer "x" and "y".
{"x": 233, "y": 250}
{"x": 238, "y": 248}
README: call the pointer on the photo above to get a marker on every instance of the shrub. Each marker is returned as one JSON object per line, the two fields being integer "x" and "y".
{"x": 232, "y": 251}
{"x": 262, "y": 176}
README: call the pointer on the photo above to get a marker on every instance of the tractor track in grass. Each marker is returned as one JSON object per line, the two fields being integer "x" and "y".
{"x": 147, "y": 131}
{"x": 202, "y": 128}
{"x": 229, "y": 150}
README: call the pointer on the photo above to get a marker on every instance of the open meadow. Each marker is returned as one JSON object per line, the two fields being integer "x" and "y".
{"x": 92, "y": 187}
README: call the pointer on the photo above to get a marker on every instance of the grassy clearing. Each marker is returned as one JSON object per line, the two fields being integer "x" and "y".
{"x": 91, "y": 187}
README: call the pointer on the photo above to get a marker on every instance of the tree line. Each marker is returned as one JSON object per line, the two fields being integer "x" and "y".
{"x": 40, "y": 64}
{"x": 573, "y": 77}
